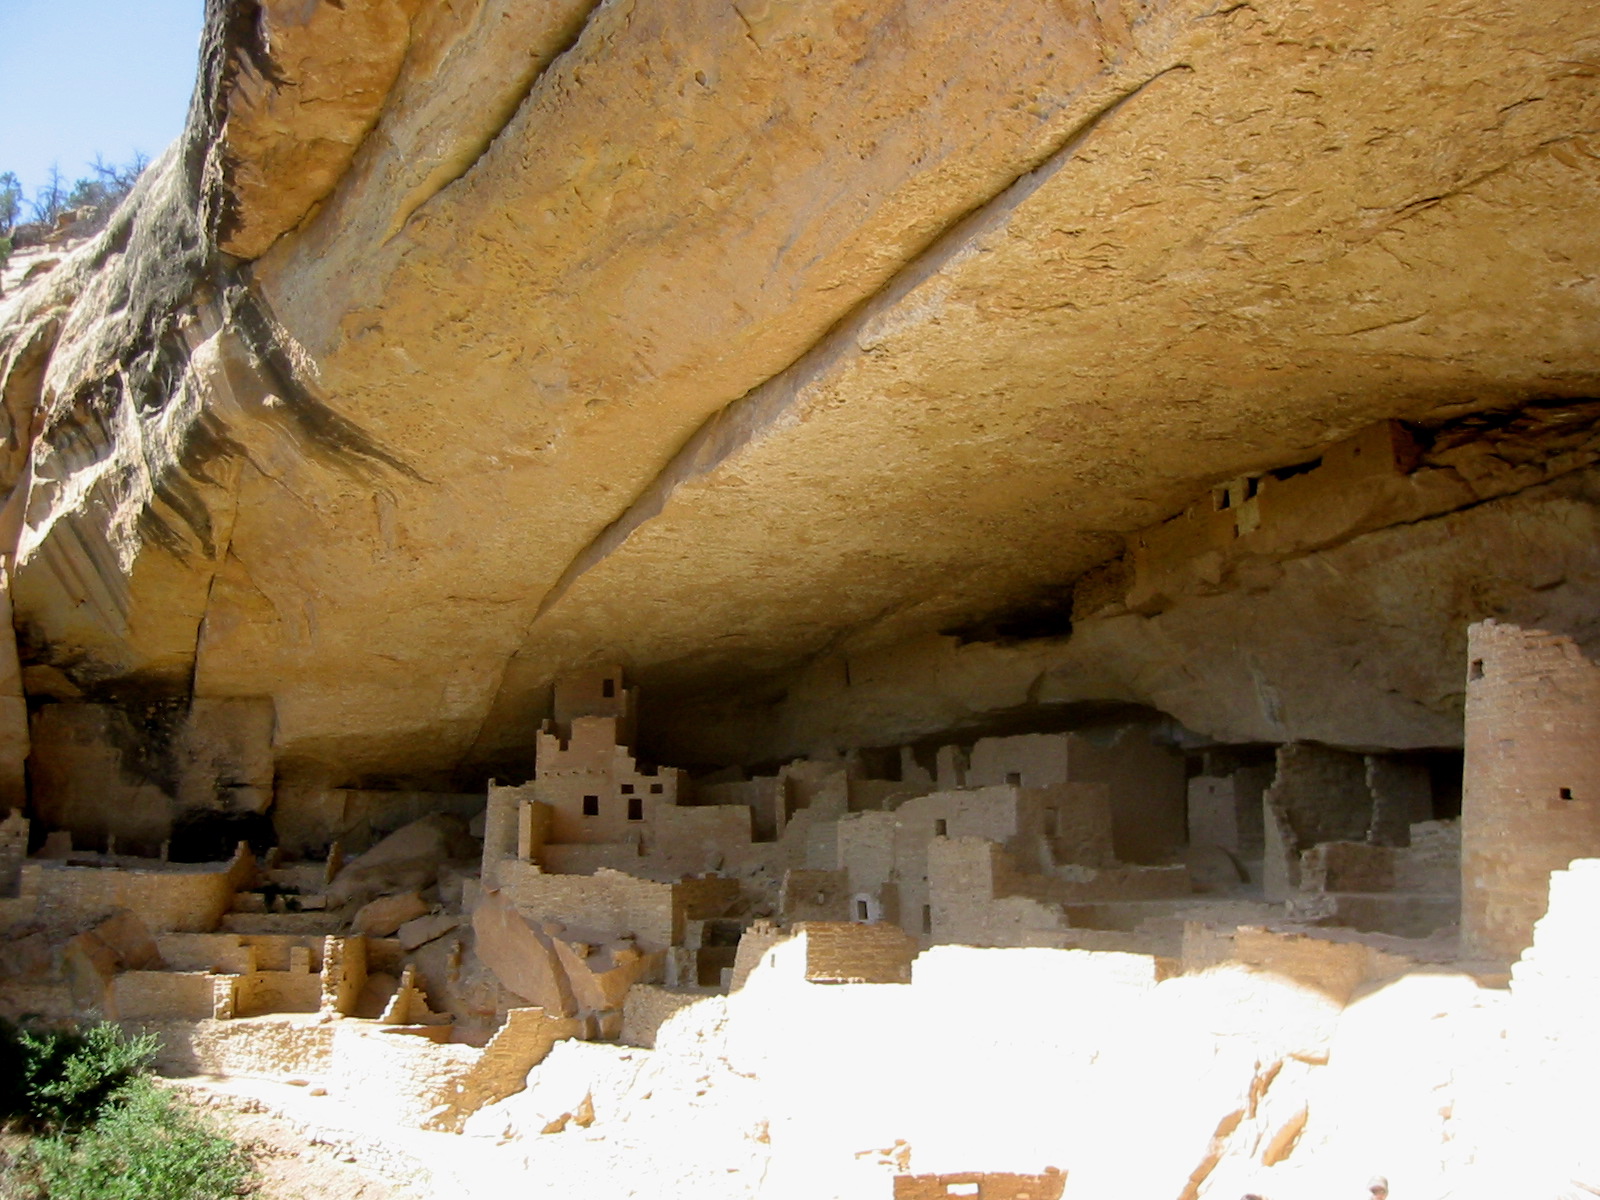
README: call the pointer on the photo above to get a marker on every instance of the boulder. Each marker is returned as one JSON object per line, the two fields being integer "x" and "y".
{"x": 520, "y": 955}
{"x": 422, "y": 930}
{"x": 601, "y": 976}
{"x": 91, "y": 958}
{"x": 381, "y": 917}
{"x": 409, "y": 858}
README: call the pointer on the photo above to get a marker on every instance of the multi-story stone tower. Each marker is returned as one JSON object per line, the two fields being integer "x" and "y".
{"x": 1531, "y": 800}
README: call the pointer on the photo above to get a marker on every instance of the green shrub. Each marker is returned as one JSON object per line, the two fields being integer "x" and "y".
{"x": 104, "y": 1130}
{"x": 61, "y": 1079}
{"x": 146, "y": 1145}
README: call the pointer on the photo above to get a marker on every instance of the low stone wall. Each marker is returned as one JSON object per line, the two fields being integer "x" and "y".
{"x": 500, "y": 1068}
{"x": 274, "y": 1047}
{"x": 608, "y": 902}
{"x": 265, "y": 992}
{"x": 847, "y": 952}
{"x": 224, "y": 953}
{"x": 585, "y": 858}
{"x": 648, "y": 1007}
{"x": 992, "y": 1185}
{"x": 162, "y": 996}
{"x": 1431, "y": 864}
{"x": 168, "y": 898}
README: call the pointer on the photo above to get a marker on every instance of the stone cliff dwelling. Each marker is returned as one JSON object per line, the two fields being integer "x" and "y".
{"x": 775, "y": 600}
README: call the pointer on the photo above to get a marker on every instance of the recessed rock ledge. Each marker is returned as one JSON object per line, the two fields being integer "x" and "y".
{"x": 879, "y": 600}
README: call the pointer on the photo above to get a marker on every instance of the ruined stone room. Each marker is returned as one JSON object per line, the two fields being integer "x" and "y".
{"x": 818, "y": 600}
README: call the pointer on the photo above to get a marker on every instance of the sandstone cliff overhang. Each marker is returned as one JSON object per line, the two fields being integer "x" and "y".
{"x": 453, "y": 345}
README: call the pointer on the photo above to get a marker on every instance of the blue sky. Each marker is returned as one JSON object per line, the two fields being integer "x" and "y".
{"x": 86, "y": 77}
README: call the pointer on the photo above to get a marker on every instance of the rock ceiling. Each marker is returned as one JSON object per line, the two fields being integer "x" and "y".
{"x": 722, "y": 337}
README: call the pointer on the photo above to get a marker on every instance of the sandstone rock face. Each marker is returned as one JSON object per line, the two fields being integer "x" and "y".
{"x": 521, "y": 957}
{"x": 381, "y": 917}
{"x": 309, "y": 83}
{"x": 757, "y": 345}
{"x": 409, "y": 858}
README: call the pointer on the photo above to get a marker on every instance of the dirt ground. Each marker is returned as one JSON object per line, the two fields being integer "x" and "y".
{"x": 294, "y": 1160}
{"x": 300, "y": 1163}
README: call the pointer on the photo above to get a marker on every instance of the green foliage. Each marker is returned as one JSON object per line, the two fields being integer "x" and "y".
{"x": 104, "y": 1130}
{"x": 145, "y": 1146}
{"x": 10, "y": 202}
{"x": 61, "y": 1079}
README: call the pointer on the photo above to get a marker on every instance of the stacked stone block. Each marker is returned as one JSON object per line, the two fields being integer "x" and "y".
{"x": 1531, "y": 797}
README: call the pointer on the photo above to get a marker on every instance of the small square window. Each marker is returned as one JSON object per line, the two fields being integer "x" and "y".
{"x": 635, "y": 808}
{"x": 627, "y": 789}
{"x": 655, "y": 789}
{"x": 1013, "y": 778}
{"x": 591, "y": 806}
{"x": 1566, "y": 793}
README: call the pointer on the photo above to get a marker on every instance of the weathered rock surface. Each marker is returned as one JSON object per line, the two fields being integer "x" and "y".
{"x": 408, "y": 858}
{"x": 381, "y": 917}
{"x": 755, "y": 345}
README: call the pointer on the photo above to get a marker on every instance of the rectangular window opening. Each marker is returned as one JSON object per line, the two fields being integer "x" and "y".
{"x": 635, "y": 808}
{"x": 927, "y": 918}
{"x": 861, "y": 910}
{"x": 1014, "y": 778}
{"x": 627, "y": 789}
{"x": 1051, "y": 822}
{"x": 941, "y": 828}
{"x": 608, "y": 689}
{"x": 655, "y": 789}
{"x": 1476, "y": 670}
{"x": 1566, "y": 793}
{"x": 591, "y": 806}
{"x": 1305, "y": 468}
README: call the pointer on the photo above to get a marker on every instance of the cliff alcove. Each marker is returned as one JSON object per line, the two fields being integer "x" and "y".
{"x": 756, "y": 494}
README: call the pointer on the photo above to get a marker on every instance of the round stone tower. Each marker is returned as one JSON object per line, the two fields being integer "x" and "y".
{"x": 1531, "y": 796}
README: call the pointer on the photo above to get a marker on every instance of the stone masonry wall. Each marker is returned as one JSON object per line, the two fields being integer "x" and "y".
{"x": 1531, "y": 801}
{"x": 607, "y": 902}
{"x": 168, "y": 899}
{"x": 1323, "y": 793}
{"x": 850, "y": 952}
{"x": 13, "y": 849}
{"x": 993, "y": 1185}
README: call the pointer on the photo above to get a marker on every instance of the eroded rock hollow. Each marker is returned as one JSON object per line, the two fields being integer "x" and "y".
{"x": 538, "y": 525}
